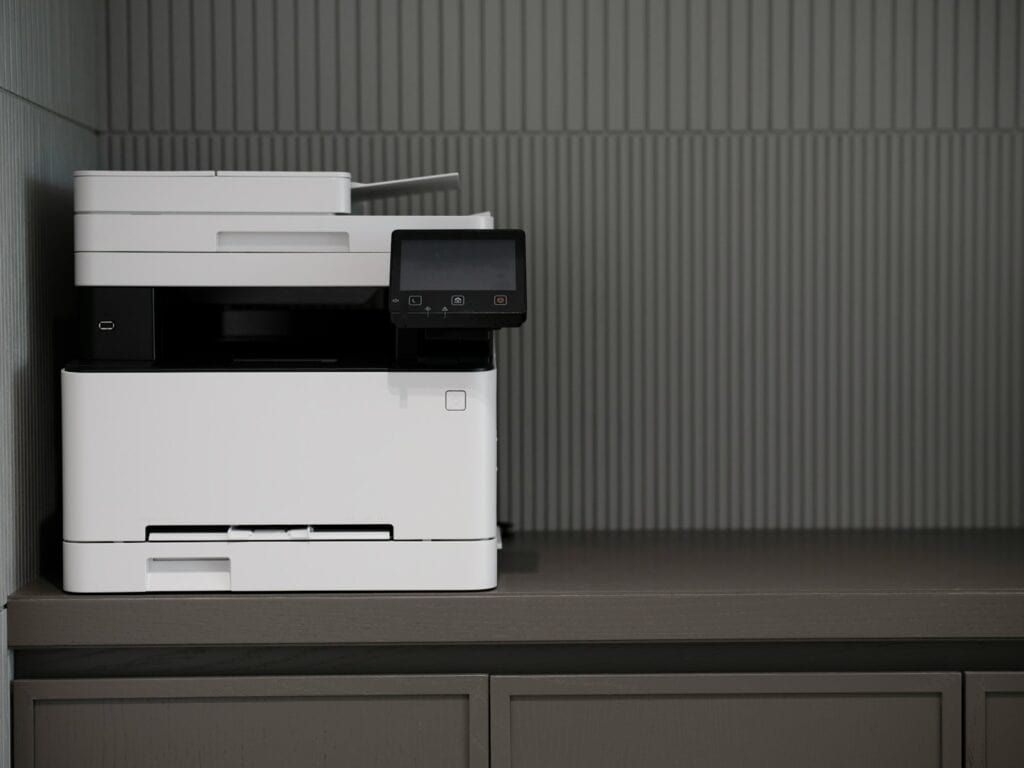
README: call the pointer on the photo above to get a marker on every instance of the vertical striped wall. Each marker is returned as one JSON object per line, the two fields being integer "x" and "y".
{"x": 52, "y": 54}
{"x": 776, "y": 270}
{"x": 50, "y": 113}
{"x": 39, "y": 150}
{"x": 469, "y": 66}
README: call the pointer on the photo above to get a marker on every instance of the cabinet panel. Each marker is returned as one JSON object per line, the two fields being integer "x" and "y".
{"x": 273, "y": 721}
{"x": 789, "y": 720}
{"x": 995, "y": 719}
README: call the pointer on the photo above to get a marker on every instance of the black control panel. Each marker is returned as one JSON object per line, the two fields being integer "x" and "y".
{"x": 117, "y": 324}
{"x": 458, "y": 278}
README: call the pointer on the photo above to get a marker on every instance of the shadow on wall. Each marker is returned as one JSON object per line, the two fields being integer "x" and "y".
{"x": 48, "y": 313}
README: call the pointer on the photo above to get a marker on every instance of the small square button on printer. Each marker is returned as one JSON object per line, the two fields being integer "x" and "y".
{"x": 455, "y": 400}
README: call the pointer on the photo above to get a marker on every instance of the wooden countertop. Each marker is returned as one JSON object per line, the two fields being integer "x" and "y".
{"x": 601, "y": 588}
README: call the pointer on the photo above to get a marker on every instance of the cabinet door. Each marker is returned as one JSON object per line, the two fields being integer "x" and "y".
{"x": 266, "y": 721}
{"x": 790, "y": 720}
{"x": 995, "y": 719}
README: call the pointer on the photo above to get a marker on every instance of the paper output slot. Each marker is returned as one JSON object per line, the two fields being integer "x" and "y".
{"x": 279, "y": 532}
{"x": 186, "y": 533}
{"x": 315, "y": 242}
{"x": 351, "y": 532}
{"x": 208, "y": 574}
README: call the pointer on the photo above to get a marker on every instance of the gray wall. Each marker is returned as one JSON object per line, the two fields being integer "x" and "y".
{"x": 775, "y": 245}
{"x": 51, "y": 108}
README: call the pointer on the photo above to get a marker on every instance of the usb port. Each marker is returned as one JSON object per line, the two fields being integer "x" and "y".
{"x": 105, "y": 325}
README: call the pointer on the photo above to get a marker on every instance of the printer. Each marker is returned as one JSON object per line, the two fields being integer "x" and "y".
{"x": 276, "y": 394}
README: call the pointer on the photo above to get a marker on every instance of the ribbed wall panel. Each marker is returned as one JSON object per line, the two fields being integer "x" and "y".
{"x": 734, "y": 330}
{"x": 38, "y": 153}
{"x": 39, "y": 38}
{"x": 564, "y": 65}
{"x": 775, "y": 245}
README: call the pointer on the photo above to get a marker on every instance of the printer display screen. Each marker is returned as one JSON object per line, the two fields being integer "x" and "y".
{"x": 458, "y": 265}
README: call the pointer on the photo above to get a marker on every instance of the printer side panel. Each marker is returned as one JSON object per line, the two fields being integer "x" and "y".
{"x": 412, "y": 450}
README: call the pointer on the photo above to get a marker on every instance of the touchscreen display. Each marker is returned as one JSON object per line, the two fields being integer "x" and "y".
{"x": 458, "y": 265}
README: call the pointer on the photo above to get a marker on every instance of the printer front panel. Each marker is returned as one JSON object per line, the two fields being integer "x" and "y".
{"x": 234, "y": 328}
{"x": 412, "y": 450}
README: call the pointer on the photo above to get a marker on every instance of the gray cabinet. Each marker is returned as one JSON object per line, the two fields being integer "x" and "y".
{"x": 791, "y": 720}
{"x": 254, "y": 721}
{"x": 994, "y": 719}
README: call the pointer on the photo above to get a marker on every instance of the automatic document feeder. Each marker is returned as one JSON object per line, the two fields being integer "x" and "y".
{"x": 275, "y": 394}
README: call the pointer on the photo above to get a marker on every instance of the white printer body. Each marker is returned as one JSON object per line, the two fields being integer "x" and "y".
{"x": 261, "y": 405}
